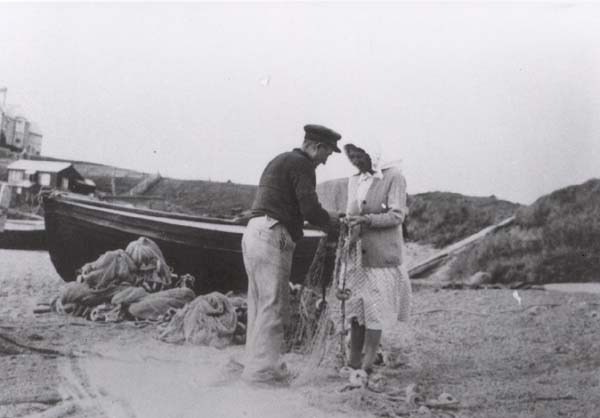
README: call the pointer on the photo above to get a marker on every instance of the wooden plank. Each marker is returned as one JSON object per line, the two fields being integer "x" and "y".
{"x": 435, "y": 260}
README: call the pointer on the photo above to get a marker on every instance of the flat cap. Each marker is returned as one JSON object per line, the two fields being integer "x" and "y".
{"x": 323, "y": 135}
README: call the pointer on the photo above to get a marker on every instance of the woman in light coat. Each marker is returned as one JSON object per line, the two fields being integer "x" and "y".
{"x": 377, "y": 278}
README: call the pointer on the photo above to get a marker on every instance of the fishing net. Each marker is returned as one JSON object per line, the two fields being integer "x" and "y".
{"x": 155, "y": 306}
{"x": 321, "y": 334}
{"x": 208, "y": 320}
{"x": 141, "y": 264}
{"x": 111, "y": 268}
{"x": 152, "y": 271}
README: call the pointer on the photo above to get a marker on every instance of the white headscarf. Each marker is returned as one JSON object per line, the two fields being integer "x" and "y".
{"x": 378, "y": 157}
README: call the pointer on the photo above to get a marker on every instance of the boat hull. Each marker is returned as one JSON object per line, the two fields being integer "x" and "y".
{"x": 23, "y": 235}
{"x": 79, "y": 231}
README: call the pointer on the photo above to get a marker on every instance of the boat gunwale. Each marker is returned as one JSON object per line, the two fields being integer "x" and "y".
{"x": 68, "y": 198}
{"x": 162, "y": 216}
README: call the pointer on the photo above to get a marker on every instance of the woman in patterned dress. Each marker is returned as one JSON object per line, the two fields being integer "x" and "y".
{"x": 378, "y": 280}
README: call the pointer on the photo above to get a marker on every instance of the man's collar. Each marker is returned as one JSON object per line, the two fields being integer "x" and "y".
{"x": 303, "y": 153}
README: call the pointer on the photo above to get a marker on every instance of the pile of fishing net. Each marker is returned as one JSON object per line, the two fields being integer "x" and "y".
{"x": 78, "y": 299}
{"x": 140, "y": 264}
{"x": 210, "y": 319}
{"x": 135, "y": 283}
{"x": 120, "y": 302}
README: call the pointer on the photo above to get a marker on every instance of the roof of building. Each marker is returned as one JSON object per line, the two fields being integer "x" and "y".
{"x": 34, "y": 165}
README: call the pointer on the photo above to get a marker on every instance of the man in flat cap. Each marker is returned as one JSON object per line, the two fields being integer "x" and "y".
{"x": 285, "y": 198}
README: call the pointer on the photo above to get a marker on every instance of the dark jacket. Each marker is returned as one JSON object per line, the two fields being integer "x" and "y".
{"x": 286, "y": 192}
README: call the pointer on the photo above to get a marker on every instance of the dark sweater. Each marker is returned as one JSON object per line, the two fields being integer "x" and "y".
{"x": 286, "y": 192}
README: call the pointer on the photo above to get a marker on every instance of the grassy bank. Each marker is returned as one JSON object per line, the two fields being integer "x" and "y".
{"x": 556, "y": 239}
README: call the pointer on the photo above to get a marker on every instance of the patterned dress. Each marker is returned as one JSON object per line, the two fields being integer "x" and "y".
{"x": 380, "y": 296}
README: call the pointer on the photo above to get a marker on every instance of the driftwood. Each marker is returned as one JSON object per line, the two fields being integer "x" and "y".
{"x": 61, "y": 410}
{"x": 49, "y": 399}
{"x": 39, "y": 350}
{"x": 42, "y": 309}
{"x": 422, "y": 268}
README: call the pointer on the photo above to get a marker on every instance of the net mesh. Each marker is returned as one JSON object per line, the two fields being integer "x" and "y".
{"x": 320, "y": 333}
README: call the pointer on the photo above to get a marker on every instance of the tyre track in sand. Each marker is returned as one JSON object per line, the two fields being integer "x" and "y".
{"x": 90, "y": 399}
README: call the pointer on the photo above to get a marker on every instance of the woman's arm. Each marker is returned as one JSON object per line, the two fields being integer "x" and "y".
{"x": 396, "y": 209}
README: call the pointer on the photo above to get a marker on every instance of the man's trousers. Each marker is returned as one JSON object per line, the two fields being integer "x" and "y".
{"x": 268, "y": 250}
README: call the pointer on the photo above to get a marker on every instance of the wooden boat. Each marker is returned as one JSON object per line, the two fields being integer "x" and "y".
{"x": 23, "y": 235}
{"x": 80, "y": 229}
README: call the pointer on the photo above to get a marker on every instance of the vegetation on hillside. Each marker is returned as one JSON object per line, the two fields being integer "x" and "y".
{"x": 556, "y": 239}
{"x": 122, "y": 185}
{"x": 103, "y": 175}
{"x": 201, "y": 197}
{"x": 442, "y": 218}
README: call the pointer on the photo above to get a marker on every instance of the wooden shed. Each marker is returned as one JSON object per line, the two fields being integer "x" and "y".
{"x": 28, "y": 177}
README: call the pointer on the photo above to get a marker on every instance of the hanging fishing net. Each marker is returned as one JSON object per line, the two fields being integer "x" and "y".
{"x": 320, "y": 333}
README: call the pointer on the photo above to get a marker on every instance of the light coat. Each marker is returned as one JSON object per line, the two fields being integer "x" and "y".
{"x": 385, "y": 207}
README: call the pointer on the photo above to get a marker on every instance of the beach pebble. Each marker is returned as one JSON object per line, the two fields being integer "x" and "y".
{"x": 561, "y": 349}
{"x": 412, "y": 395}
{"x": 444, "y": 400}
{"x": 400, "y": 409}
{"x": 345, "y": 372}
{"x": 446, "y": 397}
{"x": 423, "y": 410}
{"x": 536, "y": 310}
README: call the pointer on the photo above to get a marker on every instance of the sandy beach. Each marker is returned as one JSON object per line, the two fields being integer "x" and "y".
{"x": 500, "y": 357}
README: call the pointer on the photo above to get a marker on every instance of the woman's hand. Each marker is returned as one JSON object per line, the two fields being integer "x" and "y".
{"x": 356, "y": 220}
{"x": 356, "y": 226}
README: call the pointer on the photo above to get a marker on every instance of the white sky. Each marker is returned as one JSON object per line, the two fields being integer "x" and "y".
{"x": 478, "y": 99}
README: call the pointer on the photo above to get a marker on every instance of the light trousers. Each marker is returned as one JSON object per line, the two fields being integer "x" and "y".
{"x": 268, "y": 251}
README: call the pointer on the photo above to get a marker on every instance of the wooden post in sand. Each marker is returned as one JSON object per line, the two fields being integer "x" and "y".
{"x": 4, "y": 203}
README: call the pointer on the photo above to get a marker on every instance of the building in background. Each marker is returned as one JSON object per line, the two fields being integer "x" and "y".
{"x": 20, "y": 135}
{"x": 17, "y": 133}
{"x": 21, "y": 132}
{"x": 33, "y": 142}
{"x": 27, "y": 177}
{"x": 7, "y": 130}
